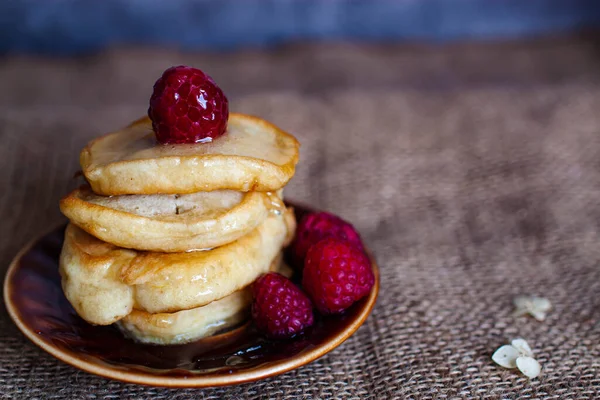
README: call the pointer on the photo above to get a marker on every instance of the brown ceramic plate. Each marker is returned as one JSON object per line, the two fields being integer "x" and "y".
{"x": 36, "y": 303}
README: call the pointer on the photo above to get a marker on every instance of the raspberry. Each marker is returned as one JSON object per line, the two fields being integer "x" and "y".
{"x": 317, "y": 226}
{"x": 336, "y": 274}
{"x": 187, "y": 106}
{"x": 280, "y": 309}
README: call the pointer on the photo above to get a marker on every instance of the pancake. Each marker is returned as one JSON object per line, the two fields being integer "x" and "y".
{"x": 169, "y": 223}
{"x": 253, "y": 155}
{"x": 104, "y": 282}
{"x": 189, "y": 325}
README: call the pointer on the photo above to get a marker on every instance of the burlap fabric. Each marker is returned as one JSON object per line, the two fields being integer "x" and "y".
{"x": 473, "y": 172}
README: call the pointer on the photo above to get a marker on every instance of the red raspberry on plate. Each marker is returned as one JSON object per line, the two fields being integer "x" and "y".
{"x": 280, "y": 309}
{"x": 187, "y": 106}
{"x": 336, "y": 274}
{"x": 321, "y": 225}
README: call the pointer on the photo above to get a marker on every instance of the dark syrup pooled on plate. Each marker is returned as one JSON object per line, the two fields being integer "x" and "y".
{"x": 37, "y": 294}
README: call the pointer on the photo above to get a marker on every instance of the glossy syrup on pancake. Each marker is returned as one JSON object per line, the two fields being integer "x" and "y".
{"x": 254, "y": 155}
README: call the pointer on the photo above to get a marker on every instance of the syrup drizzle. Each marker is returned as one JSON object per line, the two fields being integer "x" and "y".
{"x": 275, "y": 203}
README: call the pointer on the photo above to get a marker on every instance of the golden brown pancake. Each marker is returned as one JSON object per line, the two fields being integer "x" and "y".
{"x": 104, "y": 282}
{"x": 189, "y": 325}
{"x": 253, "y": 155}
{"x": 169, "y": 223}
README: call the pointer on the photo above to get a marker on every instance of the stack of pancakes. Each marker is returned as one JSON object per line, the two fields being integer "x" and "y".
{"x": 166, "y": 239}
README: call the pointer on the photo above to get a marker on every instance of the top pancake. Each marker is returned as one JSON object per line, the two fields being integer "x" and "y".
{"x": 253, "y": 155}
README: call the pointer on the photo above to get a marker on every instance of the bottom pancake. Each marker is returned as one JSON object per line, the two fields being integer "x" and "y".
{"x": 197, "y": 323}
{"x": 189, "y": 325}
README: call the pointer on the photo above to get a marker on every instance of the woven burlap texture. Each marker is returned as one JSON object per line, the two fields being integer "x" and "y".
{"x": 469, "y": 191}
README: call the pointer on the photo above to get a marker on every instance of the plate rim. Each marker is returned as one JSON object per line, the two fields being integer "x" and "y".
{"x": 138, "y": 377}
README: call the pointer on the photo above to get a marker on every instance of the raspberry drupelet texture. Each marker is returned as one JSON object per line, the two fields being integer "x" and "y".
{"x": 187, "y": 106}
{"x": 317, "y": 226}
{"x": 280, "y": 309}
{"x": 336, "y": 274}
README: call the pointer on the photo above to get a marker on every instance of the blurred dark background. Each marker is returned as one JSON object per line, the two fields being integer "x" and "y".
{"x": 76, "y": 26}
